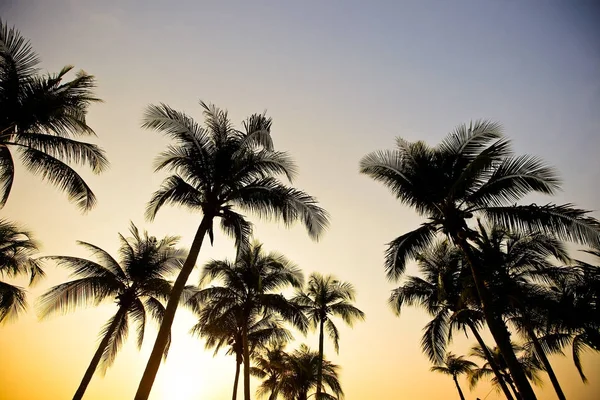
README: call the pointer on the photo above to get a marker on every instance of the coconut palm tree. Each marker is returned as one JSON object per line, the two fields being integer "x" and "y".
{"x": 455, "y": 366}
{"x": 300, "y": 376}
{"x": 217, "y": 169}
{"x": 39, "y": 116}
{"x": 518, "y": 265}
{"x": 269, "y": 365}
{"x": 326, "y": 297}
{"x": 445, "y": 291}
{"x": 248, "y": 291}
{"x": 225, "y": 329}
{"x": 573, "y": 314}
{"x": 137, "y": 285}
{"x": 529, "y": 365}
{"x": 473, "y": 171}
{"x": 17, "y": 248}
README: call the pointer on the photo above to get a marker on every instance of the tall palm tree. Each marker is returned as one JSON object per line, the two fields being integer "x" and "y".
{"x": 473, "y": 171}
{"x": 300, "y": 376}
{"x": 445, "y": 291}
{"x": 225, "y": 329}
{"x": 39, "y": 116}
{"x": 455, "y": 366}
{"x": 518, "y": 265}
{"x": 248, "y": 292}
{"x": 529, "y": 365}
{"x": 269, "y": 365}
{"x": 217, "y": 168}
{"x": 324, "y": 298}
{"x": 137, "y": 284}
{"x": 17, "y": 248}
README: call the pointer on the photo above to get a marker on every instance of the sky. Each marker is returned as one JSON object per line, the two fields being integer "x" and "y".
{"x": 339, "y": 79}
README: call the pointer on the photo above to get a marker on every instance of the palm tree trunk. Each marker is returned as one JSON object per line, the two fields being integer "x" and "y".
{"x": 462, "y": 396}
{"x": 497, "y": 326}
{"x": 514, "y": 389}
{"x": 164, "y": 331}
{"x": 238, "y": 361}
{"x": 89, "y": 373}
{"x": 540, "y": 353}
{"x": 246, "y": 363}
{"x": 320, "y": 366}
{"x": 491, "y": 361}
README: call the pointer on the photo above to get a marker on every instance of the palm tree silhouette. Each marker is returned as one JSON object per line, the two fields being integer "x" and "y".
{"x": 137, "y": 284}
{"x": 445, "y": 291}
{"x": 248, "y": 292}
{"x": 529, "y": 365}
{"x": 517, "y": 265}
{"x": 300, "y": 376}
{"x": 269, "y": 365}
{"x": 217, "y": 168}
{"x": 39, "y": 115}
{"x": 325, "y": 297}
{"x": 473, "y": 171}
{"x": 455, "y": 366}
{"x": 226, "y": 329}
{"x": 16, "y": 258}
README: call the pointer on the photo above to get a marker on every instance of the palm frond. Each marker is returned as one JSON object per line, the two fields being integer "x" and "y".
{"x": 407, "y": 247}
{"x": 12, "y": 302}
{"x": 61, "y": 175}
{"x": 7, "y": 173}
{"x": 435, "y": 337}
{"x": 118, "y": 336}
{"x": 174, "y": 190}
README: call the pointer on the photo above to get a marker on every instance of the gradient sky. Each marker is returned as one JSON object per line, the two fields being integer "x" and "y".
{"x": 340, "y": 79}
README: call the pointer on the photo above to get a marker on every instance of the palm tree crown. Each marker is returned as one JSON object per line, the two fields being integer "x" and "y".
{"x": 16, "y": 258}
{"x": 39, "y": 115}
{"x": 247, "y": 293}
{"x": 138, "y": 284}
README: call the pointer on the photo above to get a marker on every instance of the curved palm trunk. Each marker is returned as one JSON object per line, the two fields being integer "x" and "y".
{"x": 162, "y": 338}
{"x": 320, "y": 366}
{"x": 497, "y": 326}
{"x": 491, "y": 361}
{"x": 246, "y": 363}
{"x": 89, "y": 373}
{"x": 540, "y": 352}
{"x": 462, "y": 396}
{"x": 238, "y": 362}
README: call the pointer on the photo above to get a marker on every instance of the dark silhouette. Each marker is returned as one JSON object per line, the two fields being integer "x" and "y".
{"x": 325, "y": 297}
{"x": 17, "y": 248}
{"x": 473, "y": 171}
{"x": 39, "y": 115}
{"x": 300, "y": 376}
{"x": 248, "y": 292}
{"x": 137, "y": 284}
{"x": 216, "y": 169}
{"x": 455, "y": 366}
{"x": 269, "y": 365}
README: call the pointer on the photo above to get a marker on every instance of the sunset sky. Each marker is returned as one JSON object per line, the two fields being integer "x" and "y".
{"x": 339, "y": 79}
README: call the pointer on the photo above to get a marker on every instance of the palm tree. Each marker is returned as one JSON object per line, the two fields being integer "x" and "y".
{"x": 248, "y": 292}
{"x": 473, "y": 171}
{"x": 300, "y": 376}
{"x": 39, "y": 115}
{"x": 224, "y": 329}
{"x": 269, "y": 365}
{"x": 455, "y": 366}
{"x": 518, "y": 265}
{"x": 137, "y": 284}
{"x": 217, "y": 168}
{"x": 573, "y": 312}
{"x": 16, "y": 258}
{"x": 529, "y": 366}
{"x": 445, "y": 291}
{"x": 325, "y": 297}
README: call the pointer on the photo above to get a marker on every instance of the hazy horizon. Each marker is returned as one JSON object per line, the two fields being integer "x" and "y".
{"x": 340, "y": 79}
